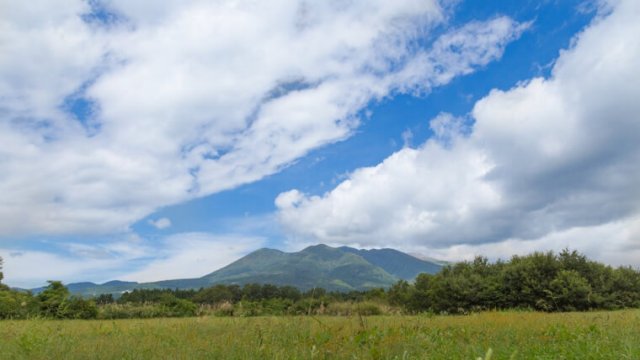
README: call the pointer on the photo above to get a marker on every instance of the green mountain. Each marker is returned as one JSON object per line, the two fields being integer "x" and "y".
{"x": 315, "y": 266}
{"x": 396, "y": 263}
{"x": 339, "y": 269}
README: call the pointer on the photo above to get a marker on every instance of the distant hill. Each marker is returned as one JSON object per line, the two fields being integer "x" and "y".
{"x": 340, "y": 269}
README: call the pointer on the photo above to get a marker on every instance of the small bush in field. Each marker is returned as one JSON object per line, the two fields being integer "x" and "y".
{"x": 224, "y": 309}
{"x": 350, "y": 308}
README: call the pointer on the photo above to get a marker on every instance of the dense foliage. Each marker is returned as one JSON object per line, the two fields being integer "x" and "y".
{"x": 541, "y": 281}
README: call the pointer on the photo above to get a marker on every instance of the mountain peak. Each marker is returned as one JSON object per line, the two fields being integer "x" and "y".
{"x": 317, "y": 247}
{"x": 340, "y": 269}
{"x": 397, "y": 263}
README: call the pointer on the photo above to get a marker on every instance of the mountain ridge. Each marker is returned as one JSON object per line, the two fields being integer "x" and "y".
{"x": 335, "y": 269}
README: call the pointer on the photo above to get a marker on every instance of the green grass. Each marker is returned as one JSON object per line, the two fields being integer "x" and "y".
{"x": 509, "y": 335}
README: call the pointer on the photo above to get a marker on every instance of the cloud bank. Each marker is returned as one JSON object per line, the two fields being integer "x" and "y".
{"x": 112, "y": 109}
{"x": 550, "y": 161}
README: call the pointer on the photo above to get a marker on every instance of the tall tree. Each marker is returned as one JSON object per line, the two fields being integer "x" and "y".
{"x": 1, "y": 274}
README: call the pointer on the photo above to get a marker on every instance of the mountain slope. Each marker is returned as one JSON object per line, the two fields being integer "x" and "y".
{"x": 315, "y": 266}
{"x": 339, "y": 269}
{"x": 396, "y": 263}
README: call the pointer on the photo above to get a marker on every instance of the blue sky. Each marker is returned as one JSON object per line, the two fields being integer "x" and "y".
{"x": 381, "y": 134}
{"x": 166, "y": 141}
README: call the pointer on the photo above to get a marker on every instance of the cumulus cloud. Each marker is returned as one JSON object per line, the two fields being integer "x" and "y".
{"x": 550, "y": 159}
{"x": 182, "y": 255}
{"x": 182, "y": 99}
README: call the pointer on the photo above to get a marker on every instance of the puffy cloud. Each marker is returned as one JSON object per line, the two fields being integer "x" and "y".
{"x": 549, "y": 159}
{"x": 182, "y": 99}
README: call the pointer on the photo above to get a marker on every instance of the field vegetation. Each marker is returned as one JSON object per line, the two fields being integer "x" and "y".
{"x": 495, "y": 335}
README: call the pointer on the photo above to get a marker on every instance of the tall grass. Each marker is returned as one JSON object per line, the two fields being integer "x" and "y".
{"x": 494, "y": 335}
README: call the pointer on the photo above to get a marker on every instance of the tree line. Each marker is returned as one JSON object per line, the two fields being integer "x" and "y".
{"x": 567, "y": 281}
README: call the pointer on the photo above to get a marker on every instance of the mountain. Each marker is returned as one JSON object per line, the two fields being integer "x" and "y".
{"x": 395, "y": 262}
{"x": 339, "y": 269}
{"x": 315, "y": 266}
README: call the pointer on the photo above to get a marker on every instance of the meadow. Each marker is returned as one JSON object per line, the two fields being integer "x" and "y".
{"x": 495, "y": 335}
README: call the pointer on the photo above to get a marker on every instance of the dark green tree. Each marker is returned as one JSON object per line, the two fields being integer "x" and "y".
{"x": 400, "y": 293}
{"x": 570, "y": 291}
{"x": 214, "y": 295}
{"x": 104, "y": 299}
{"x": 290, "y": 292}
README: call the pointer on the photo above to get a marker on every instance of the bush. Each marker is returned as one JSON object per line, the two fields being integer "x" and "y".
{"x": 130, "y": 311}
{"x": 78, "y": 308}
{"x": 307, "y": 306}
{"x": 174, "y": 307}
{"x": 224, "y": 309}
{"x": 17, "y": 305}
{"x": 366, "y": 308}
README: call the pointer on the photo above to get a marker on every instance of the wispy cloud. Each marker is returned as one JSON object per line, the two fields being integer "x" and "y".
{"x": 160, "y": 224}
{"x": 189, "y": 98}
{"x": 182, "y": 255}
{"x": 542, "y": 159}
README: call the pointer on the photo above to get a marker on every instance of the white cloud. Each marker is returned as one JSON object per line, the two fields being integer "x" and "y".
{"x": 549, "y": 159}
{"x": 161, "y": 223}
{"x": 191, "y": 255}
{"x": 616, "y": 243}
{"x": 183, "y": 255}
{"x": 29, "y": 268}
{"x": 193, "y": 97}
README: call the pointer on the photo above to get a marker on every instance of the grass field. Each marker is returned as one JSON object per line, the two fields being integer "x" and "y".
{"x": 509, "y": 335}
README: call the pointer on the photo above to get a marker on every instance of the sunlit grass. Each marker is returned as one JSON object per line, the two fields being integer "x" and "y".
{"x": 509, "y": 335}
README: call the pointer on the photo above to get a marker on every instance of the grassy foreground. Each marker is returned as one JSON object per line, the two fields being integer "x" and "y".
{"x": 509, "y": 335}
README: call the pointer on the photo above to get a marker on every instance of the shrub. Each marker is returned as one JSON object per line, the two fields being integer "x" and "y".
{"x": 17, "y": 305}
{"x": 366, "y": 308}
{"x": 224, "y": 309}
{"x": 174, "y": 307}
{"x": 77, "y": 308}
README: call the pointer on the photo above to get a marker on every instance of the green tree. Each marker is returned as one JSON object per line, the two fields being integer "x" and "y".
{"x": 526, "y": 280}
{"x": 420, "y": 297}
{"x": 252, "y": 292}
{"x": 52, "y": 299}
{"x": 625, "y": 288}
{"x": 214, "y": 295}
{"x": 76, "y": 307}
{"x": 17, "y": 305}
{"x": 570, "y": 291}
{"x": 290, "y": 292}
{"x": 399, "y": 294}
{"x": 104, "y": 299}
